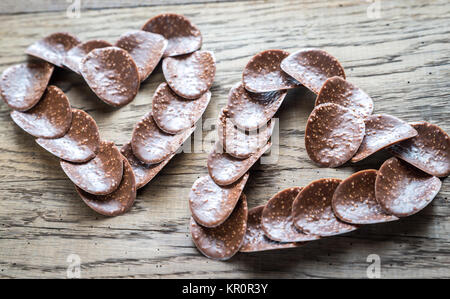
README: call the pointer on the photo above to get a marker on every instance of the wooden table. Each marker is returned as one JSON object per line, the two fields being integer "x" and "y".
{"x": 401, "y": 59}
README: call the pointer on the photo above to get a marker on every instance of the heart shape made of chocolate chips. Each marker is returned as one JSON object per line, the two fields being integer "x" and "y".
{"x": 341, "y": 128}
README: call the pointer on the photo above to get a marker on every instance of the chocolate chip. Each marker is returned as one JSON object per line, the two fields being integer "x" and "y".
{"x": 403, "y": 190}
{"x": 22, "y": 85}
{"x": 263, "y": 72}
{"x": 239, "y": 143}
{"x": 223, "y": 241}
{"x": 50, "y": 118}
{"x": 429, "y": 150}
{"x": 79, "y": 144}
{"x": 354, "y": 200}
{"x": 381, "y": 131}
{"x": 53, "y": 48}
{"x": 250, "y": 111}
{"x": 183, "y": 37}
{"x": 151, "y": 145}
{"x": 112, "y": 74}
{"x": 190, "y": 75}
{"x": 174, "y": 114}
{"x": 225, "y": 169}
{"x": 256, "y": 240}
{"x": 339, "y": 91}
{"x": 143, "y": 172}
{"x": 312, "y": 67}
{"x": 333, "y": 134}
{"x": 312, "y": 211}
{"x": 101, "y": 175}
{"x": 146, "y": 48}
{"x": 211, "y": 204}
{"x": 76, "y": 54}
{"x": 117, "y": 202}
{"x": 277, "y": 221}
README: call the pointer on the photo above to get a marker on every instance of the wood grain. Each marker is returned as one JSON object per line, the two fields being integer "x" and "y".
{"x": 401, "y": 60}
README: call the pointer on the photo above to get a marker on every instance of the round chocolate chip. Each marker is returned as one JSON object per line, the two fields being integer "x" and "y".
{"x": 429, "y": 150}
{"x": 146, "y": 48}
{"x": 211, "y": 204}
{"x": 225, "y": 169}
{"x": 112, "y": 74}
{"x": 50, "y": 118}
{"x": 174, "y": 114}
{"x": 143, "y": 172}
{"x": 190, "y": 75}
{"x": 23, "y": 85}
{"x": 333, "y": 134}
{"x": 263, "y": 72}
{"x": 101, "y": 175}
{"x": 117, "y": 202}
{"x": 354, "y": 200}
{"x": 79, "y": 144}
{"x": 381, "y": 131}
{"x": 312, "y": 67}
{"x": 339, "y": 91}
{"x": 255, "y": 239}
{"x": 151, "y": 145}
{"x": 223, "y": 241}
{"x": 403, "y": 190}
{"x": 250, "y": 111}
{"x": 183, "y": 37}
{"x": 277, "y": 221}
{"x": 312, "y": 211}
{"x": 239, "y": 143}
{"x": 76, "y": 54}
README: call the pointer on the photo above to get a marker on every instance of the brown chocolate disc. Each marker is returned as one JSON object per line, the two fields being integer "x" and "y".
{"x": 211, "y": 204}
{"x": 76, "y": 54}
{"x": 429, "y": 150}
{"x": 79, "y": 144}
{"x": 143, "y": 172}
{"x": 312, "y": 67}
{"x": 22, "y": 85}
{"x": 312, "y": 211}
{"x": 339, "y": 91}
{"x": 223, "y": 241}
{"x": 255, "y": 239}
{"x": 146, "y": 48}
{"x": 117, "y": 202}
{"x": 101, "y": 175}
{"x": 183, "y": 37}
{"x": 53, "y": 48}
{"x": 354, "y": 200}
{"x": 112, "y": 74}
{"x": 404, "y": 190}
{"x": 250, "y": 111}
{"x": 333, "y": 134}
{"x": 225, "y": 169}
{"x": 174, "y": 114}
{"x": 152, "y": 145}
{"x": 239, "y": 143}
{"x": 381, "y": 131}
{"x": 263, "y": 72}
{"x": 277, "y": 221}
{"x": 190, "y": 75}
{"x": 50, "y": 118}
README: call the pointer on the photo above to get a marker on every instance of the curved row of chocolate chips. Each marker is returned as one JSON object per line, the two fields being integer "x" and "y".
{"x": 104, "y": 178}
{"x": 177, "y": 104}
{"x": 340, "y": 105}
{"x": 327, "y": 207}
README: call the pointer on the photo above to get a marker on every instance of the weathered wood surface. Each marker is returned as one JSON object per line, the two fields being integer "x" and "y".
{"x": 401, "y": 59}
